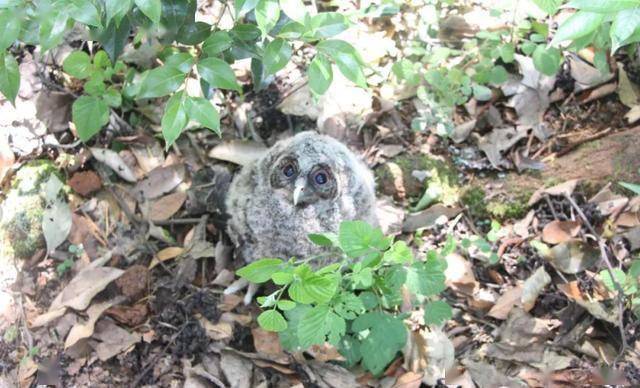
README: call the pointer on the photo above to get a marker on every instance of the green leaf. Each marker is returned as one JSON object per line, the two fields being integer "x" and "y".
{"x": 548, "y": 6}
{"x": 174, "y": 119}
{"x": 272, "y": 320}
{"x": 602, "y": 6}
{"x": 89, "y": 114}
{"x": 294, "y": 9}
{"x": 242, "y": 7}
{"x": 579, "y": 24}
{"x": 216, "y": 43}
{"x": 180, "y": 61}
{"x": 631, "y": 186}
{"x": 160, "y": 81}
{"x": 276, "y": 55}
{"x": 349, "y": 306}
{"x": 112, "y": 97}
{"x": 625, "y": 24}
{"x": 260, "y": 271}
{"x": 320, "y": 75}
{"x": 386, "y": 336}
{"x": 9, "y": 77}
{"x": 357, "y": 239}
{"x": 113, "y": 38}
{"x": 426, "y": 278}
{"x": 528, "y": 47}
{"x": 437, "y": 312}
{"x": 481, "y": 92}
{"x": 193, "y": 33}
{"x": 312, "y": 288}
{"x": 267, "y": 15}
{"x": 101, "y": 60}
{"x": 218, "y": 74}
{"x": 286, "y": 305}
{"x": 245, "y": 32}
{"x": 324, "y": 239}
{"x": 151, "y": 9}
{"x": 289, "y": 337}
{"x": 117, "y": 9}
{"x": 547, "y": 60}
{"x": 328, "y": 24}
{"x": 346, "y": 58}
{"x": 201, "y": 110}
{"x": 363, "y": 279}
{"x": 282, "y": 278}
{"x": 618, "y": 275}
{"x": 507, "y": 52}
{"x": 319, "y": 325}
{"x": 291, "y": 30}
{"x": 84, "y": 11}
{"x": 498, "y": 75}
{"x": 399, "y": 253}
{"x": 52, "y": 29}
{"x": 11, "y": 23}
{"x": 78, "y": 64}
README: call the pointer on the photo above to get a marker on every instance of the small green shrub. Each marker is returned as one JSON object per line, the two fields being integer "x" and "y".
{"x": 355, "y": 302}
{"x": 629, "y": 282}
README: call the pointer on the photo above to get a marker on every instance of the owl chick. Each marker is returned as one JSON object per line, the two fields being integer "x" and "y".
{"x": 305, "y": 184}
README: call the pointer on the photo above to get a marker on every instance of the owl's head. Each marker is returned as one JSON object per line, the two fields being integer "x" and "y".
{"x": 309, "y": 168}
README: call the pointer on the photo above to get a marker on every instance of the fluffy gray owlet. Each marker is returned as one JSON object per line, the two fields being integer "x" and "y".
{"x": 305, "y": 184}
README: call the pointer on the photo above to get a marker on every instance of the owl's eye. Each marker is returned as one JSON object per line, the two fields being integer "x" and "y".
{"x": 288, "y": 170}
{"x": 320, "y": 178}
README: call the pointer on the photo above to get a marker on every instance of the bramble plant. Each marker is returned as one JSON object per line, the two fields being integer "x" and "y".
{"x": 264, "y": 31}
{"x": 353, "y": 303}
{"x": 629, "y": 282}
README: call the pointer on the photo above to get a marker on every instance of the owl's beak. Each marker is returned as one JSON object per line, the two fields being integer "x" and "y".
{"x": 299, "y": 192}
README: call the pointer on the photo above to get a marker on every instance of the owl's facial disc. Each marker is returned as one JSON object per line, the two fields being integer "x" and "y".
{"x": 318, "y": 184}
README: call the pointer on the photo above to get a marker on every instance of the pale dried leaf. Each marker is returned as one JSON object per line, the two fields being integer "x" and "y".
{"x": 166, "y": 254}
{"x": 565, "y": 188}
{"x": 390, "y": 217}
{"x": 160, "y": 181}
{"x": 112, "y": 339}
{"x": 459, "y": 274}
{"x": 500, "y": 140}
{"x": 56, "y": 223}
{"x": 487, "y": 376}
{"x": 585, "y": 75}
{"x": 237, "y": 370}
{"x": 436, "y": 214}
{"x": 115, "y": 162}
{"x": 148, "y": 156}
{"x": 85, "y": 329}
{"x": 6, "y": 157}
{"x": 556, "y": 232}
{"x": 507, "y": 301}
{"x": 628, "y": 92}
{"x": 573, "y": 256}
{"x": 266, "y": 342}
{"x": 164, "y": 207}
{"x": 633, "y": 115}
{"x": 332, "y": 375}
{"x": 238, "y": 152}
{"x": 533, "y": 286}
{"x": 217, "y": 331}
{"x": 429, "y": 352}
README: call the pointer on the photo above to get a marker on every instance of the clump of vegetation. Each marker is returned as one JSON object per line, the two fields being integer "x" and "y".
{"x": 354, "y": 302}
{"x": 500, "y": 209}
{"x": 626, "y": 282}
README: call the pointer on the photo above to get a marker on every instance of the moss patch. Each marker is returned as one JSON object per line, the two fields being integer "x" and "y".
{"x": 497, "y": 208}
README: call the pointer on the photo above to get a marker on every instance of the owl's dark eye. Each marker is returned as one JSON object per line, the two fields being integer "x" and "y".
{"x": 320, "y": 178}
{"x": 288, "y": 170}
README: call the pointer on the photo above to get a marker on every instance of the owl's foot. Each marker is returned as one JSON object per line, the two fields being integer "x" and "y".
{"x": 239, "y": 285}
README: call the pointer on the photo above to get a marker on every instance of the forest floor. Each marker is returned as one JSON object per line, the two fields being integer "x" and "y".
{"x": 147, "y": 259}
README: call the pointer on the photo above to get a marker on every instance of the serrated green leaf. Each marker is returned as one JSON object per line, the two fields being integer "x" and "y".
{"x": 267, "y": 14}
{"x": 386, "y": 336}
{"x": 117, "y": 9}
{"x": 324, "y": 239}
{"x": 89, "y": 114}
{"x": 218, "y": 74}
{"x": 294, "y": 9}
{"x": 112, "y": 97}
{"x": 507, "y": 52}
{"x": 286, "y": 305}
{"x": 289, "y": 337}
{"x": 11, "y": 21}
{"x": 84, "y": 11}
{"x": 151, "y": 9}
{"x": 276, "y": 55}
{"x": 547, "y": 60}
{"x": 160, "y": 81}
{"x": 101, "y": 60}
{"x": 9, "y": 77}
{"x": 320, "y": 75}
{"x": 357, "y": 239}
{"x": 369, "y": 299}
{"x": 602, "y": 6}
{"x": 425, "y": 279}
{"x": 349, "y": 348}
{"x": 346, "y": 58}
{"x": 260, "y": 271}
{"x": 318, "y": 325}
{"x": 437, "y": 312}
{"x": 399, "y": 253}
{"x": 349, "y": 306}
{"x": 95, "y": 86}
{"x": 174, "y": 119}
{"x": 282, "y": 278}
{"x": 78, "y": 64}
{"x": 580, "y": 24}
{"x": 216, "y": 43}
{"x": 272, "y": 320}
{"x": 608, "y": 281}
{"x": 548, "y": 6}
{"x": 201, "y": 110}
{"x": 362, "y": 279}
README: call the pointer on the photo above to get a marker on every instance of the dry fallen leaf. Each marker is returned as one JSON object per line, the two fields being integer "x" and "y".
{"x": 164, "y": 207}
{"x": 238, "y": 152}
{"x": 85, "y": 329}
{"x": 237, "y": 370}
{"x": 459, "y": 274}
{"x": 429, "y": 217}
{"x": 565, "y": 188}
{"x": 507, "y": 301}
{"x": 266, "y": 342}
{"x": 111, "y": 339}
{"x": 85, "y": 182}
{"x": 429, "y": 352}
{"x": 521, "y": 338}
{"x": 556, "y": 232}
{"x": 166, "y": 254}
{"x": 160, "y": 181}
{"x": 572, "y": 256}
{"x": 533, "y": 286}
{"x": 115, "y": 162}
{"x": 217, "y": 331}
{"x": 6, "y": 157}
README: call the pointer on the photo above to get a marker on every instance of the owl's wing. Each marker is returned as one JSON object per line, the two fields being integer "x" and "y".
{"x": 238, "y": 202}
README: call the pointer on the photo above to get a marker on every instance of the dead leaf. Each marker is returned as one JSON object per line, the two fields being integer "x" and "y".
{"x": 507, "y": 301}
{"x": 585, "y": 75}
{"x": 597, "y": 93}
{"x": 332, "y": 375}
{"x": 487, "y": 376}
{"x": 389, "y": 216}
{"x": 430, "y": 217}
{"x": 56, "y": 218}
{"x": 596, "y": 309}
{"x": 148, "y": 156}
{"x": 238, "y": 152}
{"x": 429, "y": 352}
{"x": 217, "y": 331}
{"x": 131, "y": 316}
{"x": 237, "y": 370}
{"x": 7, "y": 158}
{"x": 266, "y": 342}
{"x": 112, "y": 339}
{"x": 85, "y": 182}
{"x": 633, "y": 115}
{"x": 633, "y": 237}
{"x": 115, "y": 162}
{"x": 573, "y": 256}
{"x": 459, "y": 274}
{"x": 26, "y": 371}
{"x": 134, "y": 282}
{"x": 556, "y": 232}
{"x": 562, "y": 189}
{"x": 628, "y": 92}
{"x": 521, "y": 338}
{"x": 166, "y": 254}
{"x": 325, "y": 352}
{"x": 165, "y": 207}
{"x": 500, "y": 140}
{"x": 521, "y": 228}
{"x": 409, "y": 380}
{"x": 160, "y": 181}
{"x": 533, "y": 286}
{"x": 85, "y": 329}
{"x": 462, "y": 131}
